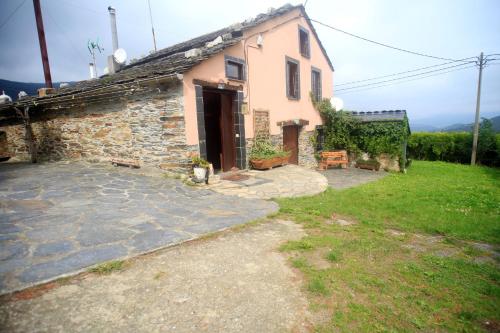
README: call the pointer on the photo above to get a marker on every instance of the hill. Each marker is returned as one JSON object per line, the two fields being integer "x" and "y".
{"x": 454, "y": 128}
{"x": 12, "y": 88}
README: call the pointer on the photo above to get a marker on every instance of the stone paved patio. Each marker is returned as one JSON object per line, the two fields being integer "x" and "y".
{"x": 58, "y": 218}
{"x": 285, "y": 181}
{"x": 350, "y": 177}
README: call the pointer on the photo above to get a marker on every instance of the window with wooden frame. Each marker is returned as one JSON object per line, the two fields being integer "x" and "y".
{"x": 316, "y": 84}
{"x": 305, "y": 48}
{"x": 235, "y": 68}
{"x": 292, "y": 78}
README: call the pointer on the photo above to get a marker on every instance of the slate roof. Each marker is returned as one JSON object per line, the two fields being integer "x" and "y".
{"x": 170, "y": 60}
{"x": 389, "y": 115}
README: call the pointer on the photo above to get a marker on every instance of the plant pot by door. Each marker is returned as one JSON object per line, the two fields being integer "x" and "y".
{"x": 200, "y": 174}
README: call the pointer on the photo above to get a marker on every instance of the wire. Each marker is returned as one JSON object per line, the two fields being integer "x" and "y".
{"x": 418, "y": 78}
{"x": 12, "y": 14}
{"x": 62, "y": 32}
{"x": 382, "y": 44}
{"x": 81, "y": 7}
{"x": 394, "y": 74}
{"x": 404, "y": 77}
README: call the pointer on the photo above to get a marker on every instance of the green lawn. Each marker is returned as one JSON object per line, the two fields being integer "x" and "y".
{"x": 434, "y": 197}
{"x": 408, "y": 263}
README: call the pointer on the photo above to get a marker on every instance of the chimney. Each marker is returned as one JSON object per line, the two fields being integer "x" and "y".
{"x": 93, "y": 74}
{"x": 113, "y": 66}
{"x": 114, "y": 34}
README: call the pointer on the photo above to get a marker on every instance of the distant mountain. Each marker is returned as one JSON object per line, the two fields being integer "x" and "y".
{"x": 457, "y": 128}
{"x": 423, "y": 128}
{"x": 453, "y": 128}
{"x": 12, "y": 88}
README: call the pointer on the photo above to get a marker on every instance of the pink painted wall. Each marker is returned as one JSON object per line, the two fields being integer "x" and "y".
{"x": 265, "y": 87}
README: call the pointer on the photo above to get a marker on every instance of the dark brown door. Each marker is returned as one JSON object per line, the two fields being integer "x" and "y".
{"x": 228, "y": 154}
{"x": 291, "y": 142}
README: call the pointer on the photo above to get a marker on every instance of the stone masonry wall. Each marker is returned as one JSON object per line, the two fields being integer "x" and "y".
{"x": 306, "y": 147}
{"x": 149, "y": 128}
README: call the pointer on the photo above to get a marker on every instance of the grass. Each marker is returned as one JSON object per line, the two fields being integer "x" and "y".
{"x": 378, "y": 281}
{"x": 108, "y": 267}
{"x": 433, "y": 197}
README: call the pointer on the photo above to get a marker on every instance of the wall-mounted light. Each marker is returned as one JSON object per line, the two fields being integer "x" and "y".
{"x": 260, "y": 40}
{"x": 221, "y": 84}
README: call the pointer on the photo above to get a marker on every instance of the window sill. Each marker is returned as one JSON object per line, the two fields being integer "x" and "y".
{"x": 235, "y": 80}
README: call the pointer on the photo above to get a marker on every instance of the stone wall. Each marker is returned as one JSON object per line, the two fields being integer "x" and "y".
{"x": 306, "y": 147}
{"x": 149, "y": 128}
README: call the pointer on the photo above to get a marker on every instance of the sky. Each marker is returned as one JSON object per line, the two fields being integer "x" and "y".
{"x": 454, "y": 29}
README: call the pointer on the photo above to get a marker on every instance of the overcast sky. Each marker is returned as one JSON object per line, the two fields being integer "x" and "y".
{"x": 453, "y": 29}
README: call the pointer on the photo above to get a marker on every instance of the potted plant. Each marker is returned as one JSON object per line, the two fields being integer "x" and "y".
{"x": 369, "y": 164}
{"x": 266, "y": 156}
{"x": 200, "y": 168}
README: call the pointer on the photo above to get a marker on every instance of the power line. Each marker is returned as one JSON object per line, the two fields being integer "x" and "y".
{"x": 62, "y": 31}
{"x": 404, "y": 77}
{"x": 399, "y": 82}
{"x": 81, "y": 7}
{"x": 12, "y": 14}
{"x": 405, "y": 72}
{"x": 382, "y": 44}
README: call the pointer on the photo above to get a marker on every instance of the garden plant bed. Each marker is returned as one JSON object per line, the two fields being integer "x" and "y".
{"x": 265, "y": 164}
{"x": 368, "y": 166}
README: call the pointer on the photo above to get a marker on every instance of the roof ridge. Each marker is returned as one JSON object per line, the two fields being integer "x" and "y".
{"x": 200, "y": 40}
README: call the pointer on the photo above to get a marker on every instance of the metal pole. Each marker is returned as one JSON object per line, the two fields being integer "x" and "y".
{"x": 152, "y": 26}
{"x": 114, "y": 33}
{"x": 43, "y": 45}
{"x": 478, "y": 104}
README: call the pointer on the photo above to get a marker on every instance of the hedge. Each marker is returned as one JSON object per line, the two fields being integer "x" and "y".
{"x": 455, "y": 147}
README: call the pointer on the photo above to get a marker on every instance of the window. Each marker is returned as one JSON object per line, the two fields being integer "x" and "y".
{"x": 316, "y": 84}
{"x": 292, "y": 78}
{"x": 305, "y": 49}
{"x": 235, "y": 68}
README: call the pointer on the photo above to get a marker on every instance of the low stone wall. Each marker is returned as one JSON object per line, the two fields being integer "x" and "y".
{"x": 149, "y": 128}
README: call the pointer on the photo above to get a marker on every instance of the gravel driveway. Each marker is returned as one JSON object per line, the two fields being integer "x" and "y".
{"x": 236, "y": 282}
{"x": 60, "y": 218}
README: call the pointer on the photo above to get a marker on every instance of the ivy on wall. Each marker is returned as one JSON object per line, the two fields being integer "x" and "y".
{"x": 341, "y": 130}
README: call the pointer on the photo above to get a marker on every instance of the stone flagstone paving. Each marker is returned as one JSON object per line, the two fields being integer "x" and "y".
{"x": 60, "y": 218}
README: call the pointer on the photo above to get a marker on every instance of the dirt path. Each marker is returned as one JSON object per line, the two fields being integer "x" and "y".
{"x": 236, "y": 282}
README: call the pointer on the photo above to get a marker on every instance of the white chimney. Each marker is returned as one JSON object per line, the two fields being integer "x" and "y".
{"x": 92, "y": 69}
{"x": 113, "y": 66}
{"x": 114, "y": 33}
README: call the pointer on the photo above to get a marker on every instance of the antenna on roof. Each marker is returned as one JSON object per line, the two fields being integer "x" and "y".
{"x": 152, "y": 27}
{"x": 93, "y": 46}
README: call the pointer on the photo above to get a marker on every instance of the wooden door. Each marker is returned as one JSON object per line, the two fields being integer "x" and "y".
{"x": 291, "y": 142}
{"x": 228, "y": 152}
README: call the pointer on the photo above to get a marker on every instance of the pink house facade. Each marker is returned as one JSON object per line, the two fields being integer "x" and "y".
{"x": 213, "y": 96}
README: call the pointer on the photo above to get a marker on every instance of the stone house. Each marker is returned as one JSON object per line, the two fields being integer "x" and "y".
{"x": 211, "y": 95}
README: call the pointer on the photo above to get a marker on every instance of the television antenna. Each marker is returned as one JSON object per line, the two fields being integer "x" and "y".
{"x": 93, "y": 46}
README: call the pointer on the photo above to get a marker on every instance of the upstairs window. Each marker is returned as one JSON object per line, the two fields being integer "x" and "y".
{"x": 235, "y": 68}
{"x": 316, "y": 84}
{"x": 305, "y": 49}
{"x": 292, "y": 78}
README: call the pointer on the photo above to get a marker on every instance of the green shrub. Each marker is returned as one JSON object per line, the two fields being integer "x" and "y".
{"x": 344, "y": 131}
{"x": 263, "y": 149}
{"x": 456, "y": 146}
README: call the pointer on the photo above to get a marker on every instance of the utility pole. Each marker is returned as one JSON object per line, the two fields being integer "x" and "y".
{"x": 478, "y": 104}
{"x": 152, "y": 26}
{"x": 43, "y": 45}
